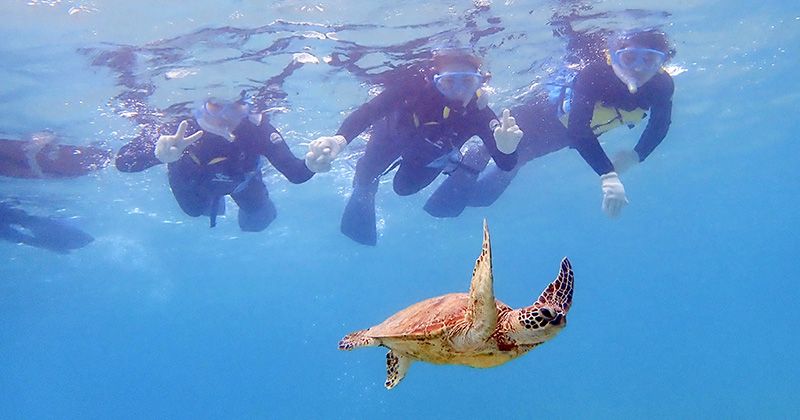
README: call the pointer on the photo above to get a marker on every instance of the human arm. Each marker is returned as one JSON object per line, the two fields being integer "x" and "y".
{"x": 587, "y": 90}
{"x": 614, "y": 198}
{"x": 274, "y": 148}
{"x": 658, "y": 123}
{"x": 660, "y": 117}
{"x": 363, "y": 117}
{"x": 137, "y": 155}
{"x": 322, "y": 151}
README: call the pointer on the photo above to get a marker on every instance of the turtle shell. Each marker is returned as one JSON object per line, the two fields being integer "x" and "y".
{"x": 428, "y": 318}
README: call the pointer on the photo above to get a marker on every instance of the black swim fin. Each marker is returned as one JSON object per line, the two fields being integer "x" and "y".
{"x": 216, "y": 208}
{"x": 43, "y": 232}
{"x": 358, "y": 220}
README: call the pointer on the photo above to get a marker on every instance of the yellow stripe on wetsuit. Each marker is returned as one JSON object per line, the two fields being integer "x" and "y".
{"x": 213, "y": 161}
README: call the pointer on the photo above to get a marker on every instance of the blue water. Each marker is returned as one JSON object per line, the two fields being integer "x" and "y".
{"x": 685, "y": 307}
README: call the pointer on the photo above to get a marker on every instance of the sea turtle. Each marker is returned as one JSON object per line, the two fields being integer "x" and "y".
{"x": 472, "y": 329}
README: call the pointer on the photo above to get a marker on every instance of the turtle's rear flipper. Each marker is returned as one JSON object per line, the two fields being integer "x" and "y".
{"x": 357, "y": 339}
{"x": 396, "y": 368}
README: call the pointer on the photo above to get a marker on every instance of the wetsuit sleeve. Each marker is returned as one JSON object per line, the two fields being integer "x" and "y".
{"x": 487, "y": 120}
{"x": 137, "y": 155}
{"x": 659, "y": 121}
{"x": 275, "y": 149}
{"x": 366, "y": 114}
{"x": 586, "y": 93}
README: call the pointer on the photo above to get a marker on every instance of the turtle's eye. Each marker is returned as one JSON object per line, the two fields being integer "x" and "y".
{"x": 547, "y": 313}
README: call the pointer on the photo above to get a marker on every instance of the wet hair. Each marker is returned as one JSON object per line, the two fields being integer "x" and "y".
{"x": 445, "y": 56}
{"x": 651, "y": 38}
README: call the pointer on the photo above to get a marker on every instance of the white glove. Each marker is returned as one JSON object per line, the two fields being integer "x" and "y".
{"x": 624, "y": 160}
{"x": 170, "y": 148}
{"x": 507, "y": 134}
{"x": 613, "y": 194}
{"x": 322, "y": 151}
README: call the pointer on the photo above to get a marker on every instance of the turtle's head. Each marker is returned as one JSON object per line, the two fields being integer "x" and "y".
{"x": 541, "y": 321}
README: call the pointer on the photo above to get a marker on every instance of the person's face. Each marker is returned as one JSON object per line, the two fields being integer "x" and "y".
{"x": 458, "y": 81}
{"x": 635, "y": 65}
{"x": 221, "y": 117}
{"x": 225, "y": 114}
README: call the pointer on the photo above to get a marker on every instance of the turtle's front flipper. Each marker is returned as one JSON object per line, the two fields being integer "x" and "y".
{"x": 396, "y": 368}
{"x": 357, "y": 339}
{"x": 558, "y": 294}
{"x": 481, "y": 313}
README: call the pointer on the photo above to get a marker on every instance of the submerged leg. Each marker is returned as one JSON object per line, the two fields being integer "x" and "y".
{"x": 358, "y": 220}
{"x": 256, "y": 210}
{"x": 190, "y": 197}
{"x": 396, "y": 368}
{"x": 409, "y": 178}
{"x": 544, "y": 134}
{"x": 490, "y": 186}
{"x": 452, "y": 196}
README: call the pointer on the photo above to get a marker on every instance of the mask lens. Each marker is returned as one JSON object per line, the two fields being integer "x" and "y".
{"x": 241, "y": 107}
{"x": 458, "y": 82}
{"x": 627, "y": 58}
{"x": 213, "y": 107}
{"x": 641, "y": 59}
{"x": 651, "y": 59}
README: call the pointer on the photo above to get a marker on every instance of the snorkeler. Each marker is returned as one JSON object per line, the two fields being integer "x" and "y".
{"x": 620, "y": 91}
{"x": 223, "y": 158}
{"x": 42, "y": 157}
{"x": 418, "y": 126}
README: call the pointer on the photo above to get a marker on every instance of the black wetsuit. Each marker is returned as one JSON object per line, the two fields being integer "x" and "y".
{"x": 213, "y": 167}
{"x": 545, "y": 133}
{"x": 599, "y": 83}
{"x": 417, "y": 123}
{"x": 412, "y": 121}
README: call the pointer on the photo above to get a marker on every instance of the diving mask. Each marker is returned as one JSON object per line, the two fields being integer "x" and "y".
{"x": 458, "y": 85}
{"x": 636, "y": 66}
{"x": 220, "y": 117}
